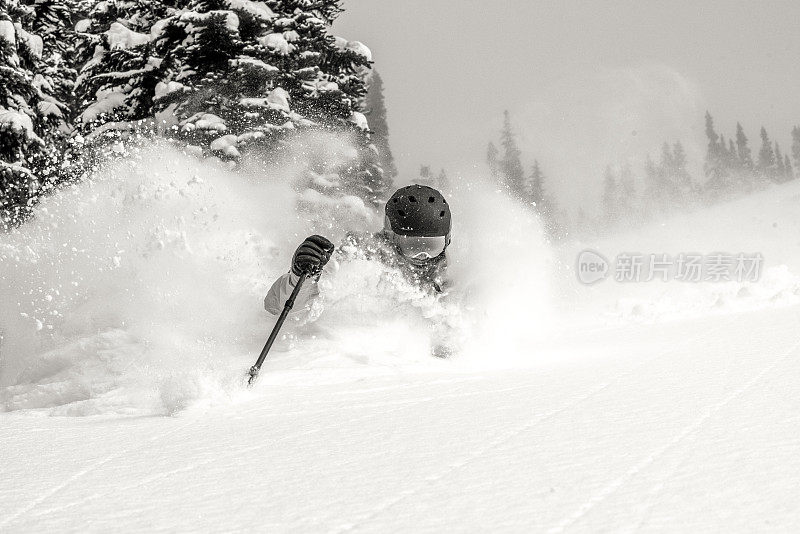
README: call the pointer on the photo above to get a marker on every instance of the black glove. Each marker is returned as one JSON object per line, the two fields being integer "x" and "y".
{"x": 312, "y": 255}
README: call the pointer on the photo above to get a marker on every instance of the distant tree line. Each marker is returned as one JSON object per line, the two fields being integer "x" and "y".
{"x": 506, "y": 169}
{"x": 222, "y": 77}
{"x": 663, "y": 186}
{"x": 666, "y": 186}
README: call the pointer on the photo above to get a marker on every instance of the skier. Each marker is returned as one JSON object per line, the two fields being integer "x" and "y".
{"x": 414, "y": 241}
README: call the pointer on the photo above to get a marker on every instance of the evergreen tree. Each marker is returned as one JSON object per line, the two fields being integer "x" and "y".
{"x": 715, "y": 169}
{"x": 787, "y": 165}
{"x": 225, "y": 75}
{"x": 230, "y": 77}
{"x": 680, "y": 164}
{"x": 796, "y": 145}
{"x": 512, "y": 174}
{"x": 741, "y": 171}
{"x": 536, "y": 193}
{"x": 742, "y": 150}
{"x": 668, "y": 184}
{"x": 733, "y": 155}
{"x": 543, "y": 205}
{"x": 780, "y": 169}
{"x": 711, "y": 134}
{"x": 120, "y": 69}
{"x": 54, "y": 21}
{"x": 26, "y": 108}
{"x": 725, "y": 155}
{"x": 766, "y": 157}
{"x": 376, "y": 114}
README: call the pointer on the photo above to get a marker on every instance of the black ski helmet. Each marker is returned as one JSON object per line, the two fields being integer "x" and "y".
{"x": 418, "y": 211}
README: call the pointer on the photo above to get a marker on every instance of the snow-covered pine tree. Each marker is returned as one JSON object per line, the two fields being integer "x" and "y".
{"x": 717, "y": 164}
{"x": 743, "y": 152}
{"x": 787, "y": 165}
{"x": 375, "y": 110}
{"x": 730, "y": 160}
{"x": 796, "y": 146}
{"x": 229, "y": 76}
{"x": 684, "y": 185}
{"x": 780, "y": 169}
{"x": 24, "y": 109}
{"x": 119, "y": 68}
{"x": 743, "y": 167}
{"x": 543, "y": 205}
{"x": 660, "y": 190}
{"x": 737, "y": 170}
{"x": 511, "y": 173}
{"x": 121, "y": 64}
{"x": 733, "y": 154}
{"x": 53, "y": 21}
{"x": 535, "y": 190}
{"x": 766, "y": 167}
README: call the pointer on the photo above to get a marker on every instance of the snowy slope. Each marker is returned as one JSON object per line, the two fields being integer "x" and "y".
{"x": 677, "y": 427}
{"x": 569, "y": 409}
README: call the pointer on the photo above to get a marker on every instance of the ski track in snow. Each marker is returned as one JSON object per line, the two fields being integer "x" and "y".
{"x": 501, "y": 439}
{"x": 651, "y": 496}
{"x": 81, "y": 473}
{"x": 507, "y": 436}
{"x": 238, "y": 452}
{"x": 651, "y": 458}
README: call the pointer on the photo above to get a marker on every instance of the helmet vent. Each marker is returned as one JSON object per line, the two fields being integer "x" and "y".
{"x": 431, "y": 199}
{"x": 395, "y": 200}
{"x": 412, "y": 198}
{"x": 441, "y": 213}
{"x": 402, "y": 213}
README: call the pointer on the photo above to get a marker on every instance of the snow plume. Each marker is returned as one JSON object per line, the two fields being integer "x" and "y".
{"x": 140, "y": 290}
{"x": 319, "y": 162}
{"x": 501, "y": 264}
{"x": 374, "y": 321}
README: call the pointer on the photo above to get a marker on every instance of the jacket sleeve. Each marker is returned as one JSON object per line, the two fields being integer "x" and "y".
{"x": 282, "y": 289}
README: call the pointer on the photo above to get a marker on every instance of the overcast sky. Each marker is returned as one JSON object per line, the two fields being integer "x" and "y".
{"x": 587, "y": 83}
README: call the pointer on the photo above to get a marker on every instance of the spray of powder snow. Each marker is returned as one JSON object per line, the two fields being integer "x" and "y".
{"x": 140, "y": 291}
{"x": 502, "y": 265}
{"x": 127, "y": 291}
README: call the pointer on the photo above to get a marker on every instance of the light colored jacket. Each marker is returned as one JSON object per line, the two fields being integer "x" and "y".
{"x": 282, "y": 289}
{"x": 371, "y": 246}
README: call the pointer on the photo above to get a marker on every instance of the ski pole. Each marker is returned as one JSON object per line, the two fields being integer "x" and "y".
{"x": 286, "y": 309}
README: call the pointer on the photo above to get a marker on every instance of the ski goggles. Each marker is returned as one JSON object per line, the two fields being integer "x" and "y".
{"x": 420, "y": 248}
